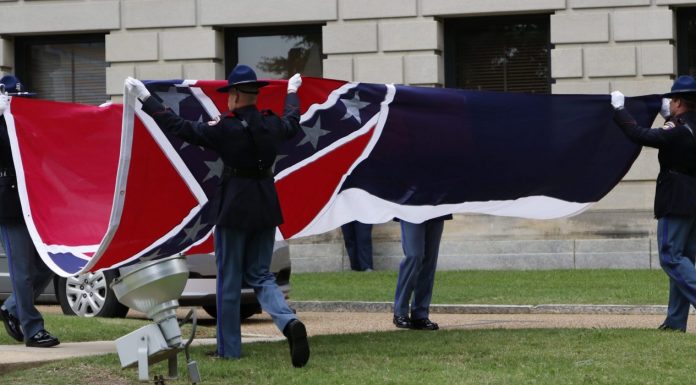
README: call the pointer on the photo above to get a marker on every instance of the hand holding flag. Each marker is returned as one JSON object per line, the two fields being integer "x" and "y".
{"x": 294, "y": 83}
{"x": 138, "y": 88}
{"x": 617, "y": 100}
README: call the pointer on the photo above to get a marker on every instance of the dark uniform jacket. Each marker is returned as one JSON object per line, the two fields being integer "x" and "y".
{"x": 247, "y": 140}
{"x": 675, "y": 193}
{"x": 10, "y": 208}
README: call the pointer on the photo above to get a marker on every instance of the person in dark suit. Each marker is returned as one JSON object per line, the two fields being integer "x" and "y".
{"x": 247, "y": 205}
{"x": 675, "y": 195}
{"x": 414, "y": 285}
{"x": 357, "y": 237}
{"x": 28, "y": 273}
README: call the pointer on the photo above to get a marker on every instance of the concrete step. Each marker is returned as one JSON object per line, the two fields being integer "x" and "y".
{"x": 597, "y": 239}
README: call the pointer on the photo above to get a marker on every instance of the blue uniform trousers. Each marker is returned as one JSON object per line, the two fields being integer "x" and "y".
{"x": 421, "y": 244}
{"x": 29, "y": 276}
{"x": 358, "y": 240}
{"x": 676, "y": 237}
{"x": 245, "y": 255}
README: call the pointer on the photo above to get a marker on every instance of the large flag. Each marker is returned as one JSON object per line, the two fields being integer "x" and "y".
{"x": 104, "y": 186}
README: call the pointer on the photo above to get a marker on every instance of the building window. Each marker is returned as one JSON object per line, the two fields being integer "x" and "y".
{"x": 686, "y": 41}
{"x": 509, "y": 53}
{"x": 275, "y": 53}
{"x": 63, "y": 68}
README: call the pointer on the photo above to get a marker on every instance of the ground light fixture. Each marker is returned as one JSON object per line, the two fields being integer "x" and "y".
{"x": 153, "y": 288}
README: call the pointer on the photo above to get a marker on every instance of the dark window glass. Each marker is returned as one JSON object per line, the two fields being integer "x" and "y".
{"x": 275, "y": 53}
{"x": 686, "y": 41}
{"x": 498, "y": 53}
{"x": 68, "y": 69}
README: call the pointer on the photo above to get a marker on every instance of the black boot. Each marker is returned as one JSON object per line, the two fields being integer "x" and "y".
{"x": 42, "y": 339}
{"x": 11, "y": 325}
{"x": 296, "y": 334}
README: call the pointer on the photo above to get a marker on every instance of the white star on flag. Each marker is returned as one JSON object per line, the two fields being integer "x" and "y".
{"x": 312, "y": 134}
{"x": 353, "y": 107}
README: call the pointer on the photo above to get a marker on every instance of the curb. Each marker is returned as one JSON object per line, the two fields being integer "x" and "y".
{"x": 387, "y": 307}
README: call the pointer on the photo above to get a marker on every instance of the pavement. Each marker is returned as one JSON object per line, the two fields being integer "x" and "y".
{"x": 340, "y": 317}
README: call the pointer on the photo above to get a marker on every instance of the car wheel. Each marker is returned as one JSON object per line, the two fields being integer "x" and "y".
{"x": 245, "y": 311}
{"x": 89, "y": 295}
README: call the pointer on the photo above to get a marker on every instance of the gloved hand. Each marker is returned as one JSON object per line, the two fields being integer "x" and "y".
{"x": 664, "y": 110}
{"x": 4, "y": 103}
{"x": 138, "y": 87}
{"x": 294, "y": 83}
{"x": 617, "y": 100}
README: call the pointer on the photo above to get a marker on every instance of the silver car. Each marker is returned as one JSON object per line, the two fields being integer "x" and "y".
{"x": 89, "y": 295}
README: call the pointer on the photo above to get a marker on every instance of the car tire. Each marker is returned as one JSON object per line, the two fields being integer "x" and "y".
{"x": 90, "y": 295}
{"x": 245, "y": 311}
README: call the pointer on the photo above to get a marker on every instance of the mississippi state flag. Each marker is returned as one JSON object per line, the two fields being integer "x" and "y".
{"x": 102, "y": 187}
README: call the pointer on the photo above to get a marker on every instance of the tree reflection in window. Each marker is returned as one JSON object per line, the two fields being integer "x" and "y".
{"x": 305, "y": 50}
{"x": 276, "y": 53}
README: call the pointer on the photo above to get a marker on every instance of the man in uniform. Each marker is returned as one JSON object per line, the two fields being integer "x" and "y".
{"x": 248, "y": 212}
{"x": 675, "y": 195}
{"x": 357, "y": 237}
{"x": 28, "y": 273}
{"x": 414, "y": 285}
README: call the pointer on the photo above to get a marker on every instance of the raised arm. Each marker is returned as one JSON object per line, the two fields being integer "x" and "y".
{"x": 198, "y": 133}
{"x": 291, "y": 113}
{"x": 645, "y": 136}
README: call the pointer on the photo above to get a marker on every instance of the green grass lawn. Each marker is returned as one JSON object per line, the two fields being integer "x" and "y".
{"x": 495, "y": 356}
{"x": 625, "y": 287}
{"x": 451, "y": 287}
{"x": 461, "y": 357}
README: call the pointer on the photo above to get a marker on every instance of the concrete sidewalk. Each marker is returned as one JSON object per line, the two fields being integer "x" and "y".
{"x": 337, "y": 317}
{"x": 17, "y": 356}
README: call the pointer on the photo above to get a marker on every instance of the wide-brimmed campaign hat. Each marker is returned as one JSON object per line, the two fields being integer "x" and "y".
{"x": 684, "y": 85}
{"x": 243, "y": 78}
{"x": 13, "y": 86}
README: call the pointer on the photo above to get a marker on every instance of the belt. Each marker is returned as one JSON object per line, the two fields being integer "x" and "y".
{"x": 251, "y": 173}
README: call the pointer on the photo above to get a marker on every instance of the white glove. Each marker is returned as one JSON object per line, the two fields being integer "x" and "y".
{"x": 664, "y": 110}
{"x": 617, "y": 100}
{"x": 4, "y": 103}
{"x": 294, "y": 83}
{"x": 138, "y": 87}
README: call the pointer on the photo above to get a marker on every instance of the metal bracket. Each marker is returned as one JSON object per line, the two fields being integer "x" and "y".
{"x": 143, "y": 374}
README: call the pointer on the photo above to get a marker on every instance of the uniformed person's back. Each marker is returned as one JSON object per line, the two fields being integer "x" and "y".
{"x": 246, "y": 203}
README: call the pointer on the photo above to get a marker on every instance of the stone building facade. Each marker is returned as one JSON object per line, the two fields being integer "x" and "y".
{"x": 596, "y": 46}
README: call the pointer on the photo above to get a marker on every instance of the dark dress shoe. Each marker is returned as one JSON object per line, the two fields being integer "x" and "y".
{"x": 402, "y": 322}
{"x": 11, "y": 325}
{"x": 424, "y": 324}
{"x": 297, "y": 339}
{"x": 42, "y": 339}
{"x": 671, "y": 329}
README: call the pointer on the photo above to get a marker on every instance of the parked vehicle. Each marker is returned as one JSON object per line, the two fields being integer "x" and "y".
{"x": 90, "y": 295}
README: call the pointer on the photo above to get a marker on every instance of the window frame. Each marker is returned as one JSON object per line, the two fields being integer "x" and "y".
{"x": 683, "y": 15}
{"x": 22, "y": 46}
{"x": 231, "y": 54}
{"x": 456, "y": 25}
